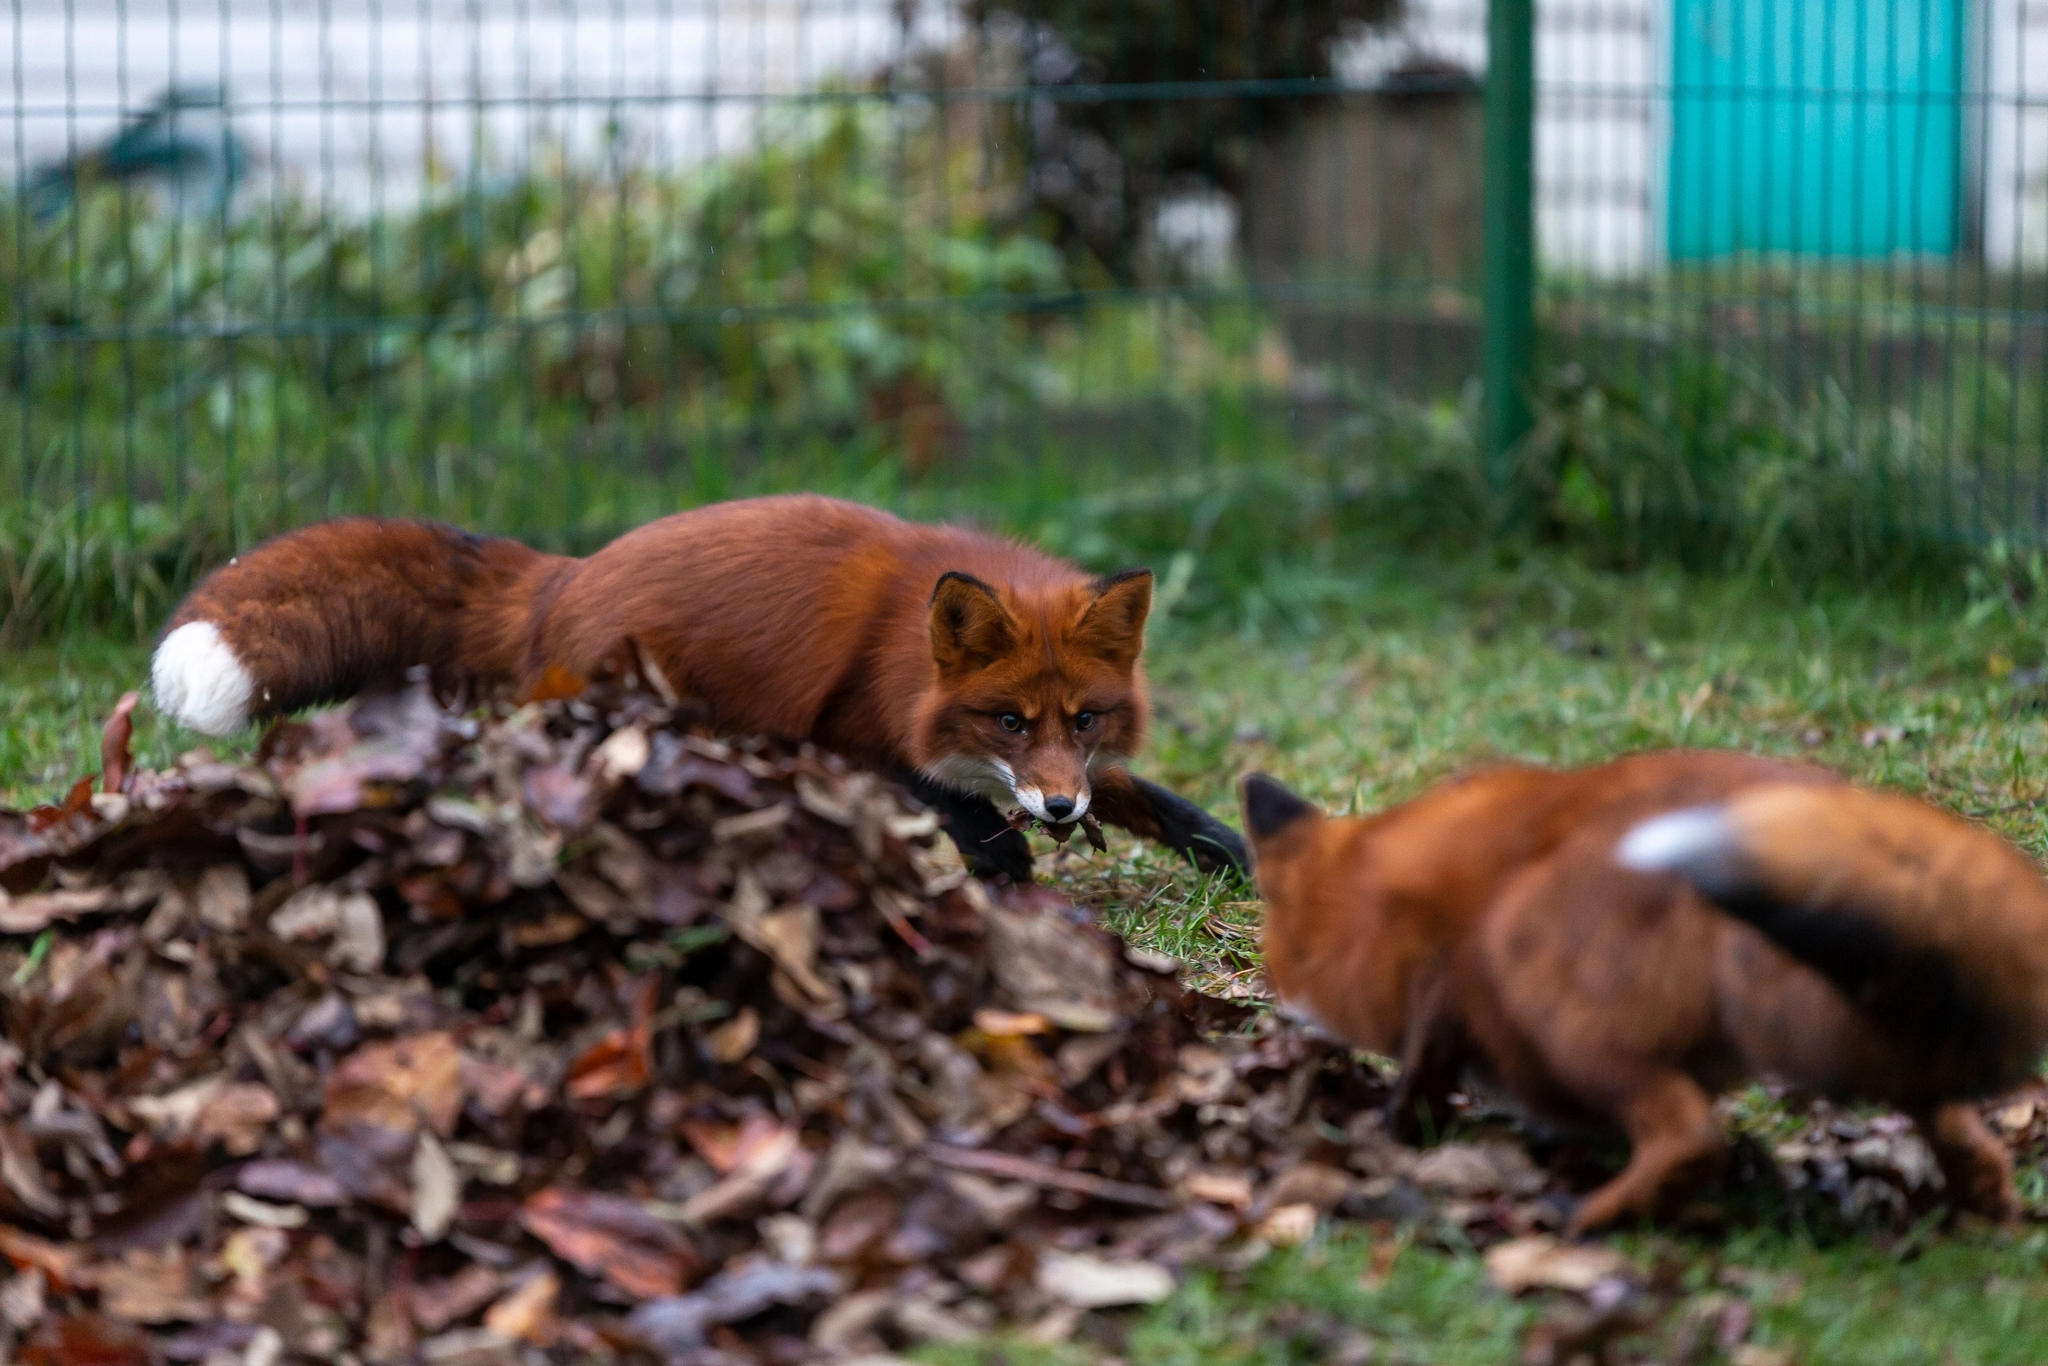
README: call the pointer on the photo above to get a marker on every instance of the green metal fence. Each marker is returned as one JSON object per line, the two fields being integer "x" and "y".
{"x": 1714, "y": 271}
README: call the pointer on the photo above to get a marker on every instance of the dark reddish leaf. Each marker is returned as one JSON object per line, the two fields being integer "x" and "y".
{"x": 611, "y": 1238}
{"x": 614, "y": 1066}
{"x": 61, "y": 1264}
{"x": 114, "y": 756}
{"x": 87, "y": 1340}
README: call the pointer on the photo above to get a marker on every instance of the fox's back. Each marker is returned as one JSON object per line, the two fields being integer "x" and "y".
{"x": 769, "y": 608}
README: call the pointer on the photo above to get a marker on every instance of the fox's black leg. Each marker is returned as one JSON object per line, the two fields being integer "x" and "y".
{"x": 1151, "y": 812}
{"x": 978, "y": 830}
{"x": 1432, "y": 1064}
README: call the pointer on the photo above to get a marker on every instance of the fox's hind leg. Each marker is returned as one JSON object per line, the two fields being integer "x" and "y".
{"x": 1151, "y": 812}
{"x": 1975, "y": 1167}
{"x": 985, "y": 840}
{"x": 1672, "y": 1134}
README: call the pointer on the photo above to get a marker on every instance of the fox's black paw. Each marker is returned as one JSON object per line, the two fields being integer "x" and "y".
{"x": 1007, "y": 854}
{"x": 987, "y": 844}
{"x": 1219, "y": 849}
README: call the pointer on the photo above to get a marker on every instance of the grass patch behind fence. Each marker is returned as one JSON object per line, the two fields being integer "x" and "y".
{"x": 864, "y": 302}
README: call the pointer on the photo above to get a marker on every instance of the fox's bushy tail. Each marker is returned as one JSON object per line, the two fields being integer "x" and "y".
{"x": 321, "y": 613}
{"x": 1935, "y": 928}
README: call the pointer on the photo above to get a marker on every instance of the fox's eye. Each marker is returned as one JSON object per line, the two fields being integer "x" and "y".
{"x": 1083, "y": 720}
{"x": 1010, "y": 722}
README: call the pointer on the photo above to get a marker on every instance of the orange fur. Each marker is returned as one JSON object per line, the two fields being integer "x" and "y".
{"x": 1863, "y": 946}
{"x": 898, "y": 644}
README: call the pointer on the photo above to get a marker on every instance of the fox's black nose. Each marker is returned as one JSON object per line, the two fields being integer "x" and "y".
{"x": 1059, "y": 808}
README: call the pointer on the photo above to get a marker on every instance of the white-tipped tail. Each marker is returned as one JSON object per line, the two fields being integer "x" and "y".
{"x": 199, "y": 682}
{"x": 1694, "y": 840}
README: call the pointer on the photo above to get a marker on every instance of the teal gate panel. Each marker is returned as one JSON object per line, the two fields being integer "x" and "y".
{"x": 1818, "y": 127}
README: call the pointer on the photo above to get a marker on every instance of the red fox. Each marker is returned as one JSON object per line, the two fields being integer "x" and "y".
{"x": 1616, "y": 944}
{"x": 982, "y": 671}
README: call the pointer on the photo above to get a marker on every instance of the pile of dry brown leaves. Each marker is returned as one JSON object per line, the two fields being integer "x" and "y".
{"x": 573, "y": 1031}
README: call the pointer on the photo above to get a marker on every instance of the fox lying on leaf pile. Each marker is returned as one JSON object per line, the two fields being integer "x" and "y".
{"x": 1617, "y": 944}
{"x": 987, "y": 674}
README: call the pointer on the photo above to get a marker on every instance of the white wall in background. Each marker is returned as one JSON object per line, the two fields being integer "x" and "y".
{"x": 1601, "y": 135}
{"x": 438, "y": 68}
{"x": 2015, "y": 161}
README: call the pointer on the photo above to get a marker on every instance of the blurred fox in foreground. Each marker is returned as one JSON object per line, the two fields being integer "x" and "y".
{"x": 987, "y": 674}
{"x": 1617, "y": 944}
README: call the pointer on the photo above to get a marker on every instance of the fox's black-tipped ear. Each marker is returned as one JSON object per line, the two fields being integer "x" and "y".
{"x": 1113, "y": 627}
{"x": 970, "y": 627}
{"x": 1270, "y": 808}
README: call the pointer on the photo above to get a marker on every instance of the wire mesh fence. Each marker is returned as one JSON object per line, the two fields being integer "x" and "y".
{"x": 554, "y": 267}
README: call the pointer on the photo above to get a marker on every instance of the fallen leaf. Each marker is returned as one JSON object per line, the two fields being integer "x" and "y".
{"x": 1091, "y": 1282}
{"x": 238, "y": 1115}
{"x": 370, "y": 1162}
{"x": 291, "y": 1182}
{"x": 611, "y": 1237}
{"x": 24, "y": 1299}
{"x": 22, "y": 1173}
{"x": 1542, "y": 1262}
{"x": 86, "y": 1340}
{"x": 261, "y": 1213}
{"x": 789, "y": 937}
{"x": 115, "y": 759}
{"x": 350, "y": 921}
{"x": 469, "y": 1347}
{"x": 398, "y": 734}
{"x": 623, "y": 754}
{"x": 222, "y": 897}
{"x": 1233, "y": 1189}
{"x": 1469, "y": 1170}
{"x": 398, "y": 1085}
{"x": 678, "y": 1323}
{"x": 735, "y": 1039}
{"x": 247, "y": 1255}
{"x": 1312, "y": 1183}
{"x": 1749, "y": 1354}
{"x": 59, "y": 1263}
{"x": 528, "y": 1313}
{"x": 150, "y": 1287}
{"x": 725, "y": 1146}
{"x": 1010, "y": 1023}
{"x": 436, "y": 1304}
{"x": 1288, "y": 1225}
{"x": 759, "y": 1163}
{"x": 616, "y": 1066}
{"x": 38, "y": 911}
{"x": 436, "y": 1188}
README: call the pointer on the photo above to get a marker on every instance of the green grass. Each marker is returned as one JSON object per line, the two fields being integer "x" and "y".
{"x": 1427, "y": 667}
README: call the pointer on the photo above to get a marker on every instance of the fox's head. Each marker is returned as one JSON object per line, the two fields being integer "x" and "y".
{"x": 1036, "y": 690}
{"x": 1338, "y": 948}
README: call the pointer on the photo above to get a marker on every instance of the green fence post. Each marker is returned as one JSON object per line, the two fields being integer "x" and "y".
{"x": 1508, "y": 341}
